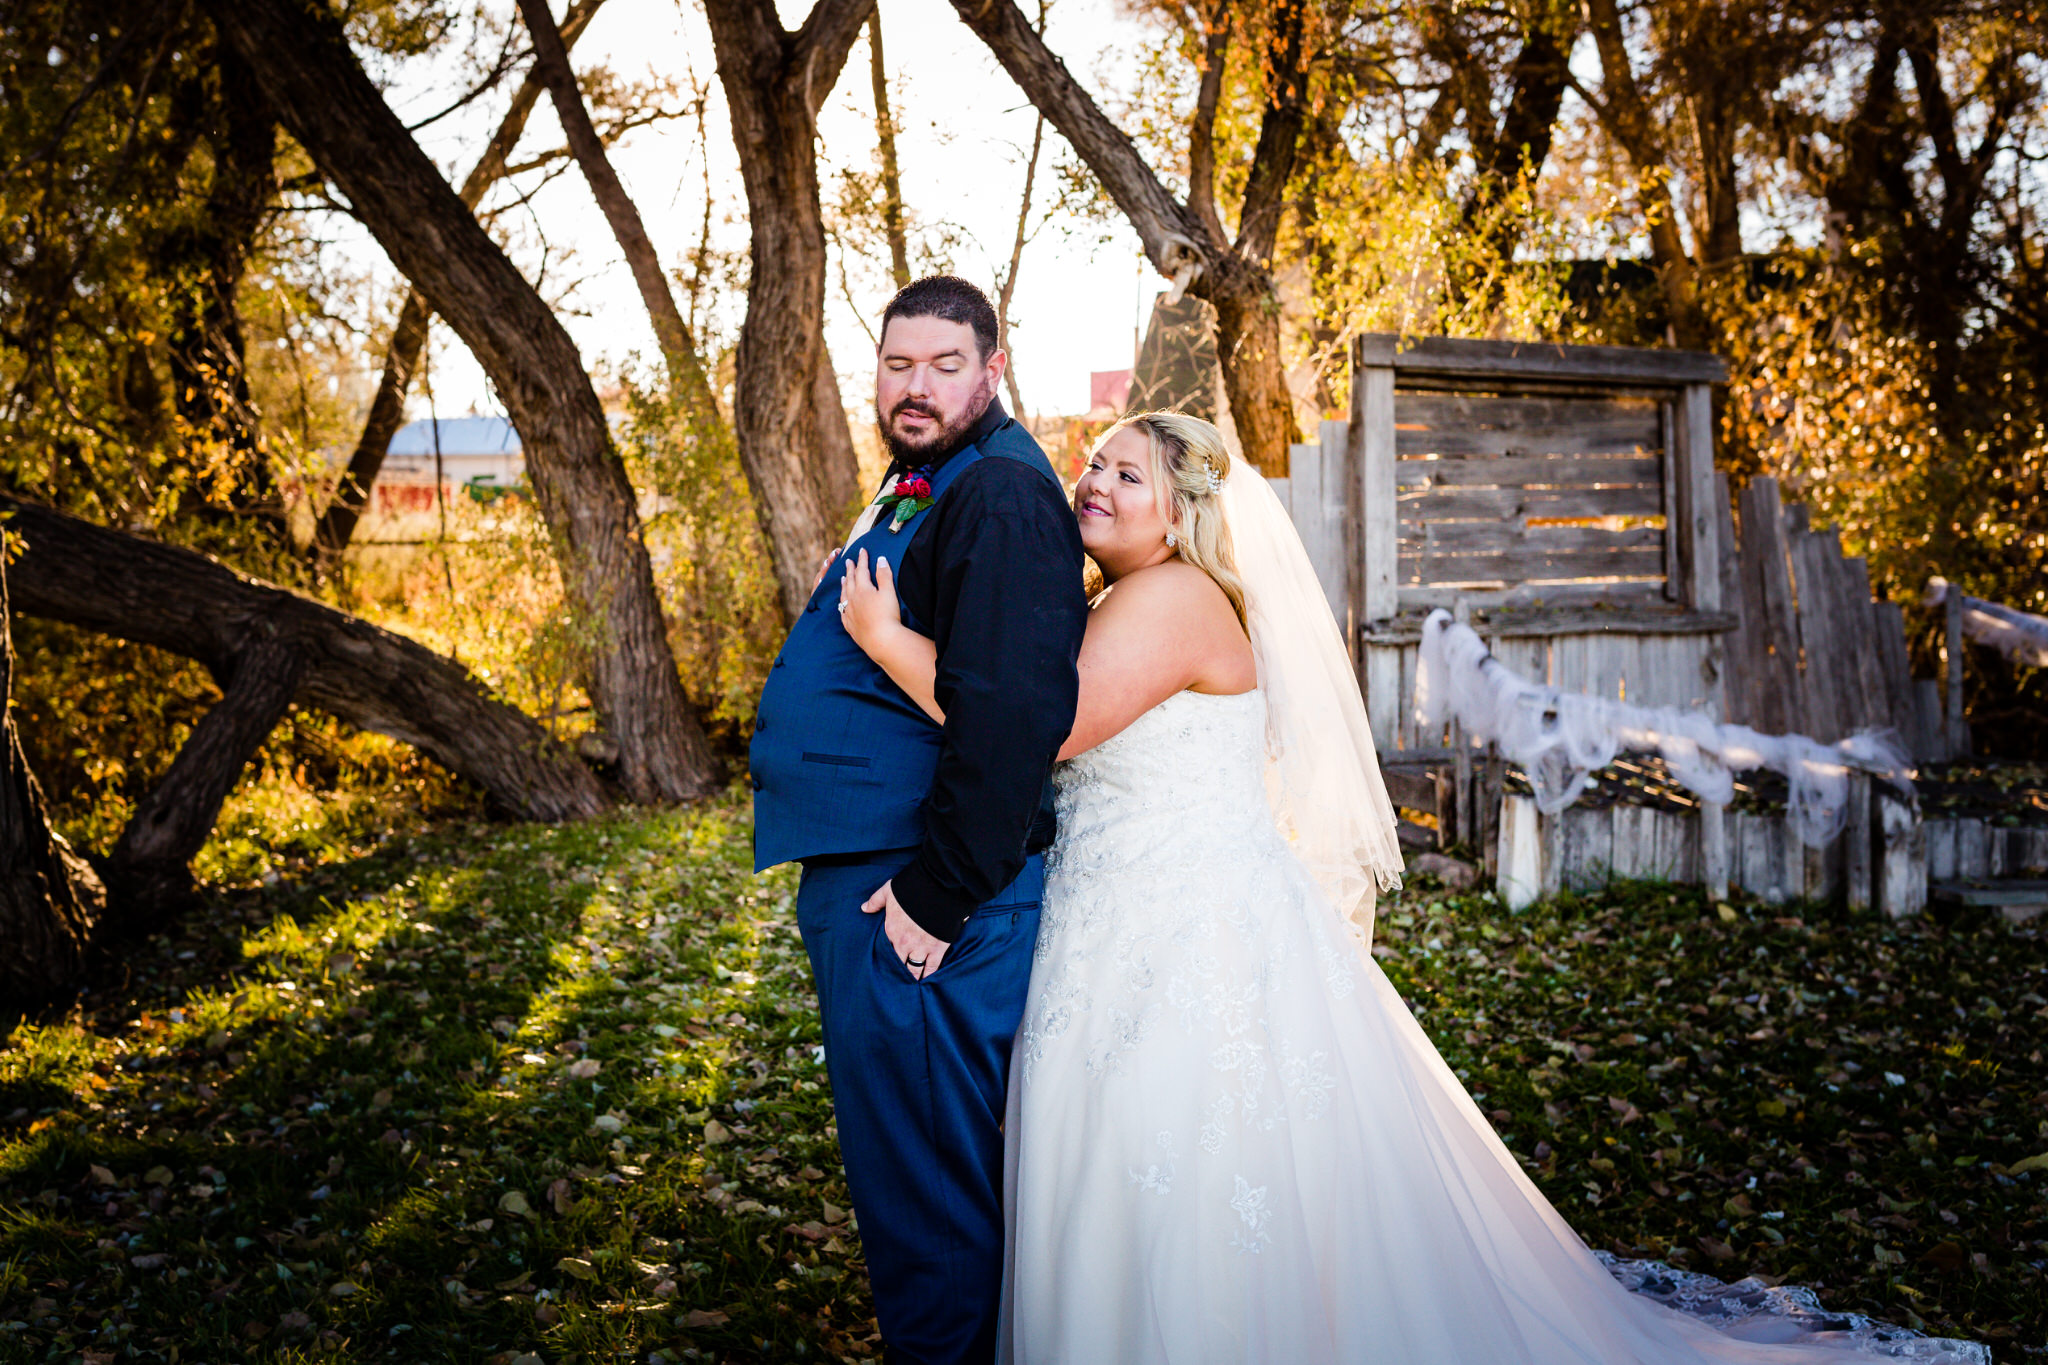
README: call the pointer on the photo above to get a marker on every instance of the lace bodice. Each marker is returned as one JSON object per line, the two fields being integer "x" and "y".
{"x": 1183, "y": 783}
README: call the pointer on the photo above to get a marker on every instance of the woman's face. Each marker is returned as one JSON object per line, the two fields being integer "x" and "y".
{"x": 1117, "y": 503}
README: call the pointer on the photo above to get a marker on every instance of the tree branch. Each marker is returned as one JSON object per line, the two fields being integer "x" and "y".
{"x": 1175, "y": 240}
{"x": 1202, "y": 132}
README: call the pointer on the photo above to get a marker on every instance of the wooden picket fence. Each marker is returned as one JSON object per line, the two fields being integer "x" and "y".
{"x": 1564, "y": 501}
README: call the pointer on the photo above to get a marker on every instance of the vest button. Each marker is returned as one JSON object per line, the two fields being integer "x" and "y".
{"x": 755, "y": 782}
{"x": 779, "y": 661}
{"x": 812, "y": 607}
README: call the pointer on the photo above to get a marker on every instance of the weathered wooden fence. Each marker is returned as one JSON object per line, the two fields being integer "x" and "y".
{"x": 1564, "y": 501}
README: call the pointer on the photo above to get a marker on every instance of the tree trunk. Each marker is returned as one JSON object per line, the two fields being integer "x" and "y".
{"x": 50, "y": 901}
{"x": 792, "y": 436}
{"x": 177, "y": 600}
{"x": 1254, "y": 375}
{"x": 207, "y": 351}
{"x": 149, "y": 874}
{"x": 337, "y": 524}
{"x": 885, "y": 136}
{"x": 304, "y": 64}
{"x": 1626, "y": 116}
{"x": 671, "y": 333}
{"x": 1235, "y": 277}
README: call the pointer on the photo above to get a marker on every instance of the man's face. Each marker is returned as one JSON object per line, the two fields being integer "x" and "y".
{"x": 931, "y": 384}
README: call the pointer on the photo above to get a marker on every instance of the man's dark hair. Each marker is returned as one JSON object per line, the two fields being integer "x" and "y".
{"x": 950, "y": 299}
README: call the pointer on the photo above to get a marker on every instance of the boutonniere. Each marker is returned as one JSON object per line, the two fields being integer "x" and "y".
{"x": 910, "y": 494}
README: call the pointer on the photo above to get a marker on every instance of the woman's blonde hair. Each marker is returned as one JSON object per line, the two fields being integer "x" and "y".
{"x": 1189, "y": 466}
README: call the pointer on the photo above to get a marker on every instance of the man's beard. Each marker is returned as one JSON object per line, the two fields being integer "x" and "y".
{"x": 943, "y": 438}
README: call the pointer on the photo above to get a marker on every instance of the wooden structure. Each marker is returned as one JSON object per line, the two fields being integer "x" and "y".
{"x": 1811, "y": 653}
{"x": 1563, "y": 500}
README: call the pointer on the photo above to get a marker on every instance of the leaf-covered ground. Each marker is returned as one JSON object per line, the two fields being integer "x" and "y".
{"x": 502, "y": 1092}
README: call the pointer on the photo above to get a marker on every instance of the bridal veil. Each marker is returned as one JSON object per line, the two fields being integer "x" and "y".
{"x": 1322, "y": 772}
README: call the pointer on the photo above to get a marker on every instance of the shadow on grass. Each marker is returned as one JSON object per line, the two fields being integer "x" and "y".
{"x": 503, "y": 1091}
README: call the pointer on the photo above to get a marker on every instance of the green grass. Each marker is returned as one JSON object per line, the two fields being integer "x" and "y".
{"x": 505, "y": 1091}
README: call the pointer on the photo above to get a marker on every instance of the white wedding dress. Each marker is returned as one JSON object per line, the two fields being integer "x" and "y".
{"x": 1229, "y": 1141}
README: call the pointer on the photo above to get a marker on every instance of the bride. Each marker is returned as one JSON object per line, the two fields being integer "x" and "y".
{"x": 1228, "y": 1139}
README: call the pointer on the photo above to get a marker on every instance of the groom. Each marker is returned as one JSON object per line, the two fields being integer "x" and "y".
{"x": 922, "y": 844}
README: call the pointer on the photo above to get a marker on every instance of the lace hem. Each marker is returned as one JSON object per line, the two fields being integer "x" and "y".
{"x": 1754, "y": 1311}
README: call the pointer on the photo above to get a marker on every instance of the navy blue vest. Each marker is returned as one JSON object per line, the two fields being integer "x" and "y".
{"x": 842, "y": 759}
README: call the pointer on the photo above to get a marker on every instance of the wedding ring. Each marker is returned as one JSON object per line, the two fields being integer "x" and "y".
{"x": 843, "y": 606}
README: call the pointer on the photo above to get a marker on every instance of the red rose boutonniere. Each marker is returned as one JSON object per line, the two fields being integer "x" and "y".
{"x": 911, "y": 494}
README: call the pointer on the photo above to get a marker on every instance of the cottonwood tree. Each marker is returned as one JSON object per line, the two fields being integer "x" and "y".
{"x": 268, "y": 648}
{"x": 787, "y": 415}
{"x": 50, "y": 899}
{"x": 303, "y": 63}
{"x": 337, "y": 522}
{"x": 1186, "y": 238}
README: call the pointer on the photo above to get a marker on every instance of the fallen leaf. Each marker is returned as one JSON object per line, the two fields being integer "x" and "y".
{"x": 158, "y": 1175}
{"x": 834, "y": 1214}
{"x": 577, "y": 1266}
{"x": 102, "y": 1176}
{"x": 514, "y": 1202}
{"x": 716, "y": 1132}
{"x": 700, "y": 1317}
{"x": 584, "y": 1068}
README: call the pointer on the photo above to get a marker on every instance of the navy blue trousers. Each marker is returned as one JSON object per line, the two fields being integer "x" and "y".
{"x": 919, "y": 1073}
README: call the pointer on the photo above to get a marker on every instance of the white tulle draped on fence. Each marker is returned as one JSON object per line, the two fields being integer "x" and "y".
{"x": 1560, "y": 738}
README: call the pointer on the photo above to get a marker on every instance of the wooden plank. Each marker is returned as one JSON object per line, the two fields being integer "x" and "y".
{"x": 1820, "y": 698}
{"x": 1412, "y": 734}
{"x": 1850, "y": 625}
{"x": 1958, "y": 732}
{"x": 1543, "y": 416}
{"x": 1903, "y": 857}
{"x": 2012, "y": 893}
{"x": 1383, "y": 700}
{"x": 1931, "y": 726}
{"x": 1415, "y": 597}
{"x": 1606, "y": 429}
{"x": 1536, "y": 564}
{"x": 1466, "y": 443}
{"x": 1859, "y": 862}
{"x": 1511, "y": 624}
{"x": 1693, "y": 448}
{"x": 1371, "y": 446}
{"x": 1714, "y": 849}
{"x": 1667, "y": 497}
{"x": 1339, "y": 488}
{"x": 1973, "y": 850}
{"x": 1458, "y": 503}
{"x": 1550, "y": 833}
{"x": 1318, "y": 517}
{"x": 1524, "y": 471}
{"x": 1735, "y": 663}
{"x": 1941, "y": 850}
{"x": 1519, "y": 880}
{"x": 1895, "y": 664}
{"x": 1767, "y": 582}
{"x": 1541, "y": 361}
{"x": 1870, "y": 669}
{"x": 1503, "y": 537}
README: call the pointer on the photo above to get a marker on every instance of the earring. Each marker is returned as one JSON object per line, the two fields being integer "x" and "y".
{"x": 1171, "y": 540}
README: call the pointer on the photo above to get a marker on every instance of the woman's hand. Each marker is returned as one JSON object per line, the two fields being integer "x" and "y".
{"x": 868, "y": 606}
{"x": 875, "y": 621}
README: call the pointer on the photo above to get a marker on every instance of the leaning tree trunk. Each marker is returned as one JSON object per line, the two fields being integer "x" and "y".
{"x": 50, "y": 901}
{"x": 302, "y": 60}
{"x": 149, "y": 873}
{"x": 337, "y": 524}
{"x": 792, "y": 434}
{"x": 1184, "y": 241}
{"x": 189, "y": 604}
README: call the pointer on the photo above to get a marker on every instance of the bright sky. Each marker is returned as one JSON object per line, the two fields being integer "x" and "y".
{"x": 964, "y": 132}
